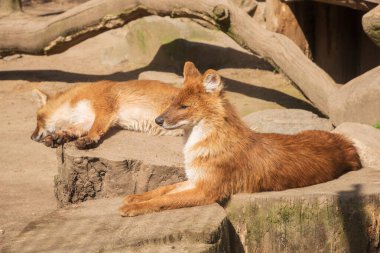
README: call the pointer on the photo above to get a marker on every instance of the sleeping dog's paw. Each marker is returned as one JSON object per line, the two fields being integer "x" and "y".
{"x": 86, "y": 143}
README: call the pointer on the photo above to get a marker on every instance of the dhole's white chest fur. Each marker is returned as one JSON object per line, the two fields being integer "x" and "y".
{"x": 192, "y": 151}
{"x": 81, "y": 116}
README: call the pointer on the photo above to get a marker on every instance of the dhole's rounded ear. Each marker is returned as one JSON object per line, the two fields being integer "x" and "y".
{"x": 190, "y": 71}
{"x": 40, "y": 97}
{"x": 212, "y": 82}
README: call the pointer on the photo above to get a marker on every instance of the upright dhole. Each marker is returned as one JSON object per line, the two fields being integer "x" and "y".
{"x": 86, "y": 112}
{"x": 223, "y": 156}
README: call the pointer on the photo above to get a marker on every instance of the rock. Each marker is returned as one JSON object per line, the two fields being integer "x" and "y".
{"x": 286, "y": 121}
{"x": 280, "y": 18}
{"x": 371, "y": 25}
{"x": 95, "y": 226}
{"x": 165, "y": 77}
{"x": 367, "y": 140}
{"x": 140, "y": 43}
{"x": 342, "y": 215}
{"x": 358, "y": 100}
{"x": 125, "y": 163}
{"x": 12, "y": 57}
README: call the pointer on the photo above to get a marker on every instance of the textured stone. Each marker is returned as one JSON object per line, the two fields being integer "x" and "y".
{"x": 342, "y": 215}
{"x": 95, "y": 226}
{"x": 165, "y": 77}
{"x": 286, "y": 121}
{"x": 367, "y": 140}
{"x": 120, "y": 165}
{"x": 358, "y": 100}
{"x": 140, "y": 43}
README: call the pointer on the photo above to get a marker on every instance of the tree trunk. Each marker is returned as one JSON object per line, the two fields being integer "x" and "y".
{"x": 10, "y": 6}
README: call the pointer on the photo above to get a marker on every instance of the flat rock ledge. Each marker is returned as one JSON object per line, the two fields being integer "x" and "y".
{"x": 342, "y": 215}
{"x": 286, "y": 121}
{"x": 126, "y": 163}
{"x": 95, "y": 226}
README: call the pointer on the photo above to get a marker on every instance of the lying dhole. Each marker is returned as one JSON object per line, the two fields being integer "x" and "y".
{"x": 223, "y": 156}
{"x": 85, "y": 113}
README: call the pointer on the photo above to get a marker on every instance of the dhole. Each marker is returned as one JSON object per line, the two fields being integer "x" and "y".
{"x": 223, "y": 156}
{"x": 86, "y": 112}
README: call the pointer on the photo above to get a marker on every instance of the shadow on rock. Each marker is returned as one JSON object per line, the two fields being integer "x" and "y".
{"x": 169, "y": 58}
{"x": 353, "y": 216}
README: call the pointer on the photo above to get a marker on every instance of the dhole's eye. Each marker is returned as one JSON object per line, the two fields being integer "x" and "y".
{"x": 183, "y": 106}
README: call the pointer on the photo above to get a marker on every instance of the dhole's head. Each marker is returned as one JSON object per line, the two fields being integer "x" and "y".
{"x": 42, "y": 113}
{"x": 201, "y": 97}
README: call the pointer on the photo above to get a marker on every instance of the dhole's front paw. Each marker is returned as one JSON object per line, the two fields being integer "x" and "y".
{"x": 85, "y": 143}
{"x": 133, "y": 209}
{"x": 48, "y": 141}
{"x": 55, "y": 139}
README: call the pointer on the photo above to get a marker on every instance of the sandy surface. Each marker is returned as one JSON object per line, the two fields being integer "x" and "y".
{"x": 27, "y": 168}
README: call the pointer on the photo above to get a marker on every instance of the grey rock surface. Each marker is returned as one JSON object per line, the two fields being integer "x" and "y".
{"x": 95, "y": 226}
{"x": 165, "y": 77}
{"x": 358, "y": 100}
{"x": 176, "y": 41}
{"x": 367, "y": 140}
{"x": 286, "y": 121}
{"x": 339, "y": 216}
{"x": 120, "y": 165}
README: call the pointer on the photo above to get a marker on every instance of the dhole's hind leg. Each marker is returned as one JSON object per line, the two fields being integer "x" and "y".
{"x": 187, "y": 198}
{"x": 152, "y": 194}
{"x": 100, "y": 126}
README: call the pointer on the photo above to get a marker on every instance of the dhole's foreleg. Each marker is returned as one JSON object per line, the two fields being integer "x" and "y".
{"x": 100, "y": 126}
{"x": 187, "y": 198}
{"x": 154, "y": 193}
{"x": 58, "y": 138}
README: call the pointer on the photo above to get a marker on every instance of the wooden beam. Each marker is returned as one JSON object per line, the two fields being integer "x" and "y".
{"x": 353, "y": 4}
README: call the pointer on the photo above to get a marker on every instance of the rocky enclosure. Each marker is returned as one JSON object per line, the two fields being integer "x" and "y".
{"x": 342, "y": 215}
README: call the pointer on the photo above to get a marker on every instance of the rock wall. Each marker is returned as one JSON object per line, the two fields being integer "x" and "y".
{"x": 339, "y": 216}
{"x": 118, "y": 168}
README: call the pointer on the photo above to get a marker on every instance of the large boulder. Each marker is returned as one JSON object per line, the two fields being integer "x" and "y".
{"x": 140, "y": 43}
{"x": 358, "y": 100}
{"x": 95, "y": 226}
{"x": 126, "y": 163}
{"x": 367, "y": 140}
{"x": 164, "y": 77}
{"x": 342, "y": 215}
{"x": 286, "y": 121}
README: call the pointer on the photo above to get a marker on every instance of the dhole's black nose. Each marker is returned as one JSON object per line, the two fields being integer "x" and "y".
{"x": 159, "y": 121}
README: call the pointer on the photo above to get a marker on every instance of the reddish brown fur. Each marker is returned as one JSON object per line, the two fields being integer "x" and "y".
{"x": 232, "y": 158}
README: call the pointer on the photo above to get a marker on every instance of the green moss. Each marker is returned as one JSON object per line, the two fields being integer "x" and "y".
{"x": 286, "y": 224}
{"x": 377, "y": 125}
{"x": 140, "y": 35}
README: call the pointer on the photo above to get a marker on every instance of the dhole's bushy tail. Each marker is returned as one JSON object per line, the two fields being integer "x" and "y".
{"x": 350, "y": 153}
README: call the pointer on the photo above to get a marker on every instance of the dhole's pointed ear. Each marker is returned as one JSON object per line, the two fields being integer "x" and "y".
{"x": 212, "y": 82}
{"x": 190, "y": 71}
{"x": 40, "y": 97}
